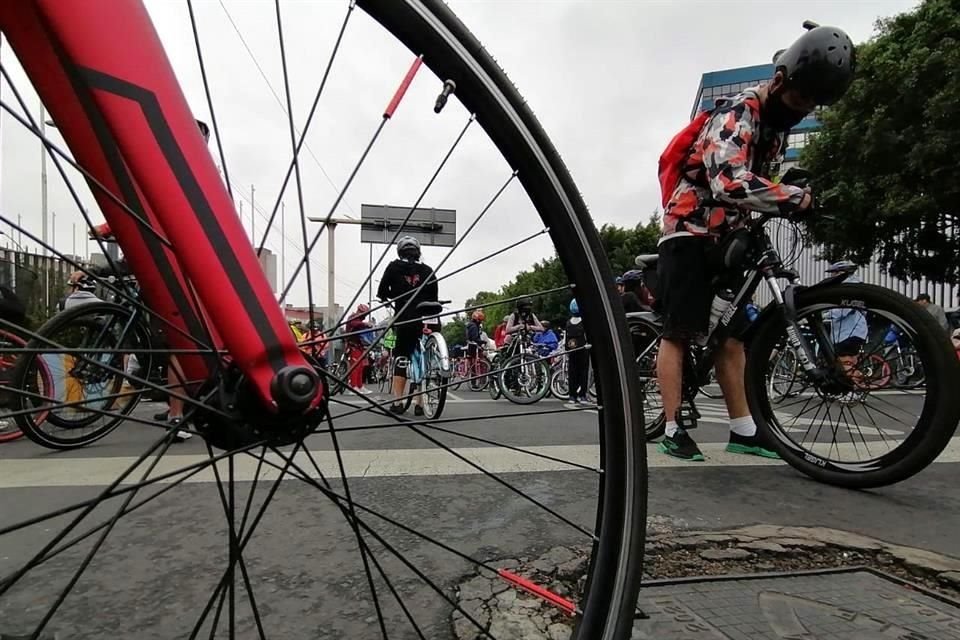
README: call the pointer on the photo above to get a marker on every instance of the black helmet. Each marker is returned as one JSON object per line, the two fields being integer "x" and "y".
{"x": 820, "y": 64}
{"x": 524, "y": 303}
{"x": 408, "y": 247}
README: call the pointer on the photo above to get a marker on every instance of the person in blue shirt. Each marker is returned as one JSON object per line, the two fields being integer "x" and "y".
{"x": 848, "y": 327}
{"x": 546, "y": 340}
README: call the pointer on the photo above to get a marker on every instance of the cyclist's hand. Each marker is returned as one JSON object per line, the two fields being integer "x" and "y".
{"x": 806, "y": 208}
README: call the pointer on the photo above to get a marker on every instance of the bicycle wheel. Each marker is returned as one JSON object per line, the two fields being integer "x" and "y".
{"x": 434, "y": 380}
{"x": 10, "y": 344}
{"x": 395, "y": 530}
{"x": 87, "y": 378}
{"x": 524, "y": 379}
{"x": 783, "y": 374}
{"x": 493, "y": 386}
{"x": 862, "y": 438}
{"x": 559, "y": 383}
{"x": 479, "y": 375}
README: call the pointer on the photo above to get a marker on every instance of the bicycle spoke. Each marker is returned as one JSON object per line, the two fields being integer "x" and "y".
{"x": 866, "y": 412}
{"x": 296, "y": 164}
{"x": 388, "y": 113}
{"x": 303, "y": 134}
{"x": 206, "y": 90}
{"x": 221, "y": 584}
{"x": 513, "y": 245}
{"x": 105, "y": 282}
{"x": 410, "y": 212}
{"x": 96, "y": 546}
{"x": 56, "y": 151}
{"x": 302, "y": 475}
{"x": 130, "y": 509}
{"x": 352, "y": 521}
{"x": 123, "y": 375}
{"x": 11, "y": 580}
{"x": 113, "y": 491}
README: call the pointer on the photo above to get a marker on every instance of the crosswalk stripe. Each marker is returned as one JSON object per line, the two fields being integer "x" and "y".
{"x": 81, "y": 472}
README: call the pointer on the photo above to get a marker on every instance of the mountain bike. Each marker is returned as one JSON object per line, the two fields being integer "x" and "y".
{"x": 855, "y": 442}
{"x": 524, "y": 376}
{"x": 384, "y": 538}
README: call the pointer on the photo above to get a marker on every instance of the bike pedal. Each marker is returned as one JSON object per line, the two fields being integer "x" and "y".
{"x": 687, "y": 417}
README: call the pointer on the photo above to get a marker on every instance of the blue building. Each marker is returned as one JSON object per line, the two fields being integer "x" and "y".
{"x": 730, "y": 82}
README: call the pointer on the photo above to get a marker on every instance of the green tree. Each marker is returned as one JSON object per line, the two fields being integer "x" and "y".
{"x": 620, "y": 244}
{"x": 885, "y": 160}
{"x": 455, "y": 331}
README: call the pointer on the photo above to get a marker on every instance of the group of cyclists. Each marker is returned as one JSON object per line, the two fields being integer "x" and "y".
{"x": 710, "y": 186}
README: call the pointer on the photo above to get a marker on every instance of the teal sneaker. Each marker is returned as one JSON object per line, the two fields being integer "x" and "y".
{"x": 682, "y": 446}
{"x": 755, "y": 445}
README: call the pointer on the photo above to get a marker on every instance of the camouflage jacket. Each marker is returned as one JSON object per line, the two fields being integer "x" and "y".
{"x": 723, "y": 178}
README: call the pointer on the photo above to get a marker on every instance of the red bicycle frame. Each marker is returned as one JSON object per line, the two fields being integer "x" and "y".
{"x": 102, "y": 73}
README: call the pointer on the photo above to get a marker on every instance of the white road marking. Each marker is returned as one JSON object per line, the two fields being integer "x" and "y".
{"x": 83, "y": 472}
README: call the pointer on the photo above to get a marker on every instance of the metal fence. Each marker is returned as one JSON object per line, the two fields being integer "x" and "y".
{"x": 812, "y": 269}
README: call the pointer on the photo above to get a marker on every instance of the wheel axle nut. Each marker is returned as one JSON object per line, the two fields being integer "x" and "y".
{"x": 293, "y": 388}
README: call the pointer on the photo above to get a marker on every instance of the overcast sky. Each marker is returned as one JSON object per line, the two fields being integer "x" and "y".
{"x": 611, "y": 81}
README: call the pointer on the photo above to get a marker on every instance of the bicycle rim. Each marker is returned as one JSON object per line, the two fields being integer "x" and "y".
{"x": 379, "y": 541}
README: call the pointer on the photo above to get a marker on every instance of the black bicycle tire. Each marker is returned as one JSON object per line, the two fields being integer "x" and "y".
{"x": 511, "y": 366}
{"x": 560, "y": 392}
{"x": 22, "y": 369}
{"x": 479, "y": 381}
{"x": 934, "y": 429}
{"x": 430, "y": 29}
{"x": 431, "y": 345}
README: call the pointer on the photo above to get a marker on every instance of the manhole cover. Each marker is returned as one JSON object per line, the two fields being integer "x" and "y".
{"x": 853, "y": 605}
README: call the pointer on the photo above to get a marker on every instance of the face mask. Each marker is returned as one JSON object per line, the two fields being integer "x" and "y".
{"x": 778, "y": 115}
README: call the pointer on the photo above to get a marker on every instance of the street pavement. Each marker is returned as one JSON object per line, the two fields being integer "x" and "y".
{"x": 159, "y": 565}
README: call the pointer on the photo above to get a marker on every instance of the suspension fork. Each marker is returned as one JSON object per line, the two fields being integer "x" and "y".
{"x": 786, "y": 300}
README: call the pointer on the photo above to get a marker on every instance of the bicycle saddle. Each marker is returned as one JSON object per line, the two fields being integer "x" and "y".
{"x": 646, "y": 260}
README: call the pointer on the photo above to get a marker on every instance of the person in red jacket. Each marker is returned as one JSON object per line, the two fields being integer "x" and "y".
{"x": 357, "y": 324}
{"x": 500, "y": 333}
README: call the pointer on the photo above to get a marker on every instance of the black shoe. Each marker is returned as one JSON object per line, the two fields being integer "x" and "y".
{"x": 682, "y": 446}
{"x": 755, "y": 445}
{"x": 180, "y": 435}
{"x": 418, "y": 410}
{"x": 162, "y": 416}
{"x": 397, "y": 408}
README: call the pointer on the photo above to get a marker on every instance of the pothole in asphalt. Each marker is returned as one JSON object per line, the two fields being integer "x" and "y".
{"x": 507, "y": 612}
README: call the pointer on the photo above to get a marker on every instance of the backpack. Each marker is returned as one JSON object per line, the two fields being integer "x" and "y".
{"x": 576, "y": 336}
{"x": 670, "y": 168}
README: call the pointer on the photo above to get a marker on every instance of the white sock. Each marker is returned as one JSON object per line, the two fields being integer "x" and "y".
{"x": 671, "y": 428}
{"x": 743, "y": 426}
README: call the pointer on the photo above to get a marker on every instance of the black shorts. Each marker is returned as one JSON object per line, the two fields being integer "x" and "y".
{"x": 407, "y": 336}
{"x": 689, "y": 274}
{"x": 685, "y": 286}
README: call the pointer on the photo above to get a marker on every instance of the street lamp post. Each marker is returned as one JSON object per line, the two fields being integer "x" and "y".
{"x": 331, "y": 262}
{"x": 43, "y": 178}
